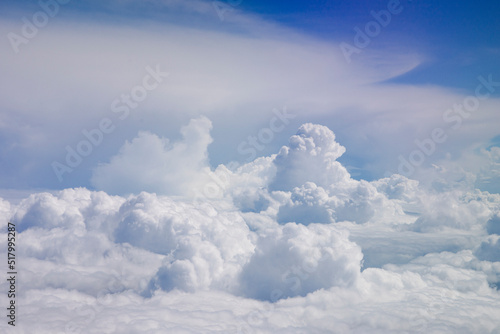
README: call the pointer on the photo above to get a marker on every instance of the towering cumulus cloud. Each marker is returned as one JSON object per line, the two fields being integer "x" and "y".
{"x": 152, "y": 164}
{"x": 289, "y": 243}
{"x": 310, "y": 156}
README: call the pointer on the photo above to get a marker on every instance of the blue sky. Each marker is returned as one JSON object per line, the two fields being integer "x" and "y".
{"x": 458, "y": 37}
{"x": 437, "y": 47}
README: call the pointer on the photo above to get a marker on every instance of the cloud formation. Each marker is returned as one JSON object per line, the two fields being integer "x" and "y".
{"x": 284, "y": 247}
{"x": 151, "y": 163}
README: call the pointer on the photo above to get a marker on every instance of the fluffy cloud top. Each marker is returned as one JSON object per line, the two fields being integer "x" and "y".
{"x": 310, "y": 156}
{"x": 151, "y": 163}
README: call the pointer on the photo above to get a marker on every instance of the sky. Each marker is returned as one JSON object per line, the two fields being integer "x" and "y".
{"x": 242, "y": 58}
{"x": 247, "y": 166}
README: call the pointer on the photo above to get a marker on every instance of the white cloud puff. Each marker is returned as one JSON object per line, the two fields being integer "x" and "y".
{"x": 310, "y": 157}
{"x": 204, "y": 248}
{"x": 295, "y": 260}
{"x": 308, "y": 204}
{"x": 151, "y": 164}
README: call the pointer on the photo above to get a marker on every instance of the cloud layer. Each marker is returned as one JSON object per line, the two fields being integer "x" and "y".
{"x": 288, "y": 243}
{"x": 151, "y": 163}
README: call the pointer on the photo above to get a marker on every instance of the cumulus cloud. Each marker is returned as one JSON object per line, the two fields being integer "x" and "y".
{"x": 322, "y": 190}
{"x": 295, "y": 260}
{"x": 288, "y": 243}
{"x": 203, "y": 248}
{"x": 151, "y": 163}
{"x": 308, "y": 204}
{"x": 310, "y": 156}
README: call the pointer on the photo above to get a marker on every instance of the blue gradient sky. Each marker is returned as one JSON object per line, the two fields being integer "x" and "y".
{"x": 460, "y": 38}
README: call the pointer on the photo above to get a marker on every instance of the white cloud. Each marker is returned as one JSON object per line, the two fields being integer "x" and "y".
{"x": 204, "y": 248}
{"x": 308, "y": 204}
{"x": 341, "y": 255}
{"x": 295, "y": 260}
{"x": 151, "y": 164}
{"x": 310, "y": 156}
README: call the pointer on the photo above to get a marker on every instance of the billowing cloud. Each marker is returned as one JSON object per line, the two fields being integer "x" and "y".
{"x": 296, "y": 260}
{"x": 274, "y": 249}
{"x": 152, "y": 164}
{"x": 239, "y": 230}
{"x": 310, "y": 156}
